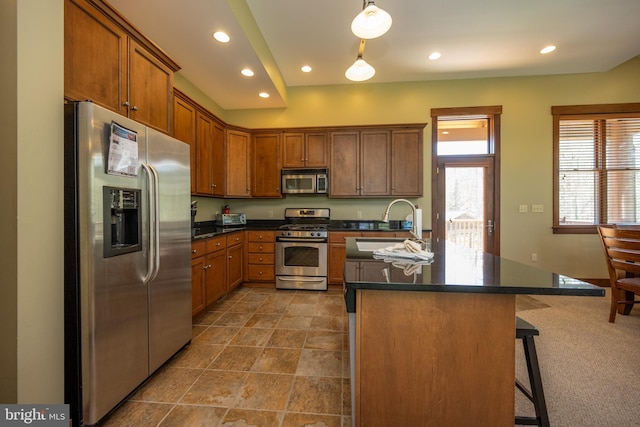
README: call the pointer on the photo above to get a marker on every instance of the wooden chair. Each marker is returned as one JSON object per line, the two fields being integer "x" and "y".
{"x": 622, "y": 252}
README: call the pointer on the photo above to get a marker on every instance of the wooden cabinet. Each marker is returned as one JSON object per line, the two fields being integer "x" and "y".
{"x": 337, "y": 249}
{"x": 235, "y": 259}
{"x": 209, "y": 167}
{"x": 238, "y": 150}
{"x": 150, "y": 89}
{"x": 265, "y": 165}
{"x": 205, "y": 134}
{"x": 305, "y": 150}
{"x": 109, "y": 62}
{"x": 344, "y": 172}
{"x": 197, "y": 285}
{"x": 375, "y": 163}
{"x": 406, "y": 162}
{"x": 209, "y": 273}
{"x": 260, "y": 262}
{"x": 360, "y": 164}
{"x": 184, "y": 129}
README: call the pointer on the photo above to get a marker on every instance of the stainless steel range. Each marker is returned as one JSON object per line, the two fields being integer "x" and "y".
{"x": 301, "y": 249}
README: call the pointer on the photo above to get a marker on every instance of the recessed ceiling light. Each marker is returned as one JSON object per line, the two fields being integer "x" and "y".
{"x": 247, "y": 72}
{"x": 548, "y": 49}
{"x": 435, "y": 55}
{"x": 221, "y": 37}
{"x": 306, "y": 69}
{"x": 263, "y": 95}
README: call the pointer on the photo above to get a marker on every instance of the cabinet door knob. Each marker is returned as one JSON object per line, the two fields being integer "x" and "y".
{"x": 209, "y": 266}
{"x": 126, "y": 104}
{"x": 134, "y": 108}
{"x": 193, "y": 251}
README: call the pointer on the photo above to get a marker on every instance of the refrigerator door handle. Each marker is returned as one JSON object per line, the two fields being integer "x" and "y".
{"x": 156, "y": 221}
{"x": 153, "y": 229}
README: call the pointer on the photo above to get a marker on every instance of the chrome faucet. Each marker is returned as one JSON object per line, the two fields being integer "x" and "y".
{"x": 416, "y": 231}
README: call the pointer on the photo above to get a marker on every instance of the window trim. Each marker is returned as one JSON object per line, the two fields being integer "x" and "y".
{"x": 569, "y": 112}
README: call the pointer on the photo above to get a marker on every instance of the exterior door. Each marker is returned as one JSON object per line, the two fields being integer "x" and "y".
{"x": 465, "y": 197}
{"x": 465, "y": 176}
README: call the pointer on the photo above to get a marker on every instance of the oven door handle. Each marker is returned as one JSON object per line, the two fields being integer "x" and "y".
{"x": 299, "y": 279}
{"x": 303, "y": 240}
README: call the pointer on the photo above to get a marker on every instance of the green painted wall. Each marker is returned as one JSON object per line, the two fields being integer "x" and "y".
{"x": 526, "y": 169}
{"x": 31, "y": 78}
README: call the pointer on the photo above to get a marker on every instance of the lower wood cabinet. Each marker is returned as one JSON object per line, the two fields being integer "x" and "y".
{"x": 337, "y": 250}
{"x": 235, "y": 259}
{"x": 260, "y": 262}
{"x": 216, "y": 268}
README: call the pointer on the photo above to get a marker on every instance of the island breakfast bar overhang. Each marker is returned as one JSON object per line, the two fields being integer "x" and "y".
{"x": 435, "y": 345}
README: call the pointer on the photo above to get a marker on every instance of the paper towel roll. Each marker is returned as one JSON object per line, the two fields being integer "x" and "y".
{"x": 418, "y": 222}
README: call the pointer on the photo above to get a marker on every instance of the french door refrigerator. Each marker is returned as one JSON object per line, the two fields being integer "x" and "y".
{"x": 127, "y": 256}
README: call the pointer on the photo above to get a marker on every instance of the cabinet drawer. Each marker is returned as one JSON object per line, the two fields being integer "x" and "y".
{"x": 262, "y": 259}
{"x": 198, "y": 248}
{"x": 262, "y": 272}
{"x": 267, "y": 248}
{"x": 339, "y": 236}
{"x": 215, "y": 244}
{"x": 260, "y": 236}
{"x": 235, "y": 238}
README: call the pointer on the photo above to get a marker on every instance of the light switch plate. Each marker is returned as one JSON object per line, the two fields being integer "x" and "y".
{"x": 537, "y": 208}
{"x": 523, "y": 208}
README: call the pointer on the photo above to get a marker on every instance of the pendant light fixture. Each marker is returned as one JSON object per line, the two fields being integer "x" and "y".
{"x": 360, "y": 70}
{"x": 372, "y": 22}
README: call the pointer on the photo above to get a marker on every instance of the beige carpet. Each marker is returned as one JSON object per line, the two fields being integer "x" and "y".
{"x": 590, "y": 367}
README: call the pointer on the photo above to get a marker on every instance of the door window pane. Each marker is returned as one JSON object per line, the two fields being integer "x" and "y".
{"x": 465, "y": 206}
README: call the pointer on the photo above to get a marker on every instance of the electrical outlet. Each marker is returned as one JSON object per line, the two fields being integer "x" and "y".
{"x": 534, "y": 257}
{"x": 359, "y": 214}
{"x": 270, "y": 214}
{"x": 537, "y": 208}
{"x": 523, "y": 208}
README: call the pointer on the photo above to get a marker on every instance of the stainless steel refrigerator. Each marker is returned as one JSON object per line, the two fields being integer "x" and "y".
{"x": 127, "y": 256}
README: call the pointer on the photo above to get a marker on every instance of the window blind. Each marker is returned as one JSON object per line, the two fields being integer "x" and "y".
{"x": 598, "y": 170}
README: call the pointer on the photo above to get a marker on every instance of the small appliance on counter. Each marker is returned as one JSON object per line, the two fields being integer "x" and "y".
{"x": 231, "y": 219}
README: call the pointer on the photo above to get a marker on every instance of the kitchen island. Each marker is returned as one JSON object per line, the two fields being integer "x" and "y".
{"x": 434, "y": 344}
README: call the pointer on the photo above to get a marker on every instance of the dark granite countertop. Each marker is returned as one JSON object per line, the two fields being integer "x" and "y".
{"x": 454, "y": 269}
{"x": 207, "y": 229}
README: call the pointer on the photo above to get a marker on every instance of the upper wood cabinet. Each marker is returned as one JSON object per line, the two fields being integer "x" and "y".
{"x": 407, "y": 162}
{"x": 305, "y": 150}
{"x": 265, "y": 166}
{"x": 360, "y": 164}
{"x": 345, "y": 165}
{"x": 205, "y": 134}
{"x": 109, "y": 62}
{"x": 184, "y": 129}
{"x": 376, "y": 162}
{"x": 238, "y": 150}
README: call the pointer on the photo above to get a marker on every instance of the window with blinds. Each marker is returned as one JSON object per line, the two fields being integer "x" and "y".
{"x": 596, "y": 166}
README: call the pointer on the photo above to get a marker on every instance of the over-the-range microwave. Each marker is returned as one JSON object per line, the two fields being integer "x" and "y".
{"x": 305, "y": 181}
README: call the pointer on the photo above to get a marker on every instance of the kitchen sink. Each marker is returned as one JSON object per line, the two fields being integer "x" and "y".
{"x": 370, "y": 244}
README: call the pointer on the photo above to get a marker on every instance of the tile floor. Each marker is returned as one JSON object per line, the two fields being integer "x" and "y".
{"x": 259, "y": 357}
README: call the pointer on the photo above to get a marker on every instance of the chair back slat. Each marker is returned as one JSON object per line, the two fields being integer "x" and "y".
{"x": 622, "y": 249}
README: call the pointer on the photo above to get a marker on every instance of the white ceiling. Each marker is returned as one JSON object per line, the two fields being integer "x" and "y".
{"x": 477, "y": 39}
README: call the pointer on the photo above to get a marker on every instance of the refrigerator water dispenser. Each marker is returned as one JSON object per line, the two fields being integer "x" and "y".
{"x": 122, "y": 216}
